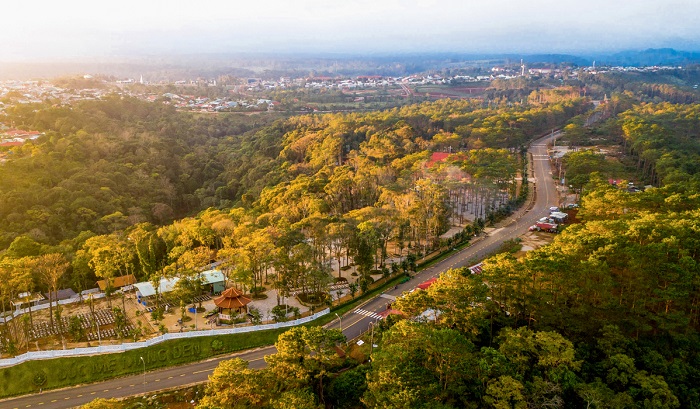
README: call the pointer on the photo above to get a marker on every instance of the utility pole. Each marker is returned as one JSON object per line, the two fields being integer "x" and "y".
{"x": 371, "y": 344}
{"x": 144, "y": 373}
{"x": 340, "y": 320}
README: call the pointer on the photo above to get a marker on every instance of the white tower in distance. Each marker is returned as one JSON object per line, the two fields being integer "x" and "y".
{"x": 522, "y": 68}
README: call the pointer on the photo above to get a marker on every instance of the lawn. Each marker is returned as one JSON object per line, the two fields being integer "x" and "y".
{"x": 32, "y": 376}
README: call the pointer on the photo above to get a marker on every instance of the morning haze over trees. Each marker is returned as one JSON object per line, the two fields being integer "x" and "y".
{"x": 606, "y": 315}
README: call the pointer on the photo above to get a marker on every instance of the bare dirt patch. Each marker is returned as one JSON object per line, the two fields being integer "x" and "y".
{"x": 533, "y": 240}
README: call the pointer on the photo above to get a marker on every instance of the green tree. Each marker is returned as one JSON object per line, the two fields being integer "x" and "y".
{"x": 232, "y": 386}
{"x": 75, "y": 328}
{"x": 505, "y": 392}
{"x": 416, "y": 364}
{"x": 296, "y": 399}
{"x": 101, "y": 403}
{"x": 110, "y": 257}
{"x": 305, "y": 356}
{"x": 50, "y": 268}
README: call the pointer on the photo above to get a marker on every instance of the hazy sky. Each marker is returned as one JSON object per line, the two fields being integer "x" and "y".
{"x": 70, "y": 28}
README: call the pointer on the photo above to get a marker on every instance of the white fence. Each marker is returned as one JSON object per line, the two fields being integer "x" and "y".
{"x": 76, "y": 299}
{"x": 30, "y": 356}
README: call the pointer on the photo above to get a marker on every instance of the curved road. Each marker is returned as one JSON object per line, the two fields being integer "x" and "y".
{"x": 354, "y": 322}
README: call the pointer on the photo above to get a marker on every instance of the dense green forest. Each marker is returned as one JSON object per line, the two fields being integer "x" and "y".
{"x": 605, "y": 316}
{"x": 312, "y": 193}
{"x": 675, "y": 86}
{"x": 105, "y": 165}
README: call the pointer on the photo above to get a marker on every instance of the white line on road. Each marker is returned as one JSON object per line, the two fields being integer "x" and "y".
{"x": 368, "y": 313}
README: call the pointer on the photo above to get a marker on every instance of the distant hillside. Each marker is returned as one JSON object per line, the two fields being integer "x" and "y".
{"x": 177, "y": 67}
{"x": 651, "y": 56}
{"x": 557, "y": 59}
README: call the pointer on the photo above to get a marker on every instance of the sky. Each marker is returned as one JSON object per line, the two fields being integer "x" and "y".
{"x": 48, "y": 30}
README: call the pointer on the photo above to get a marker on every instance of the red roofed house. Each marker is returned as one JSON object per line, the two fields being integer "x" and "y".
{"x": 124, "y": 283}
{"x": 426, "y": 284}
{"x": 389, "y": 312}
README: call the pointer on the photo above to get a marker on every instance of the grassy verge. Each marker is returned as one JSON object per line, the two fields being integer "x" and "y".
{"x": 30, "y": 377}
{"x": 437, "y": 257}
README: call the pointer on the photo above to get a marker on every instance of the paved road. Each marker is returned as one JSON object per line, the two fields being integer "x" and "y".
{"x": 354, "y": 322}
{"x": 131, "y": 385}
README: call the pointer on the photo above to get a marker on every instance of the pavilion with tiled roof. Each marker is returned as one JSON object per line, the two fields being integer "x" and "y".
{"x": 231, "y": 302}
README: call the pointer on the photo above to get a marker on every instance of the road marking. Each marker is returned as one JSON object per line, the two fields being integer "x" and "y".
{"x": 106, "y": 390}
{"x": 92, "y": 393}
{"x": 182, "y": 374}
{"x": 132, "y": 385}
{"x": 170, "y": 377}
{"x": 352, "y": 324}
{"x": 367, "y": 313}
{"x": 157, "y": 380}
{"x": 79, "y": 396}
{"x": 204, "y": 370}
{"x": 119, "y": 387}
{"x": 40, "y": 403}
{"x": 388, "y": 296}
{"x": 55, "y": 400}
{"x": 66, "y": 398}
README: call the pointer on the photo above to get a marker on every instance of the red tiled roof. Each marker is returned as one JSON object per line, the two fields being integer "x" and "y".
{"x": 387, "y": 313}
{"x": 118, "y": 282}
{"x": 426, "y": 284}
{"x": 231, "y": 299}
{"x": 11, "y": 144}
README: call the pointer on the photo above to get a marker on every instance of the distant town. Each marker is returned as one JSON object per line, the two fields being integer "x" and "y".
{"x": 257, "y": 94}
{"x": 244, "y": 92}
